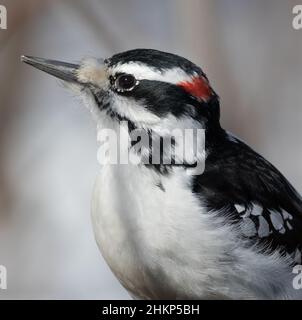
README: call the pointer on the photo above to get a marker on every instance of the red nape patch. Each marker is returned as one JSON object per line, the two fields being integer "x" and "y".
{"x": 197, "y": 87}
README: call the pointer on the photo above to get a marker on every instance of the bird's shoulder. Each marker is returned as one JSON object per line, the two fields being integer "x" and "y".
{"x": 250, "y": 191}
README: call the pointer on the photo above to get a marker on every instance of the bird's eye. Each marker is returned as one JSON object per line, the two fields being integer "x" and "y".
{"x": 125, "y": 82}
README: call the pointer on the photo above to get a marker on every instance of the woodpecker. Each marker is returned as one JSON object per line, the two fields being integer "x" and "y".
{"x": 232, "y": 232}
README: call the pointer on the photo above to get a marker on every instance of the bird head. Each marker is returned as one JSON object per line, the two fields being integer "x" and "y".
{"x": 146, "y": 87}
{"x": 149, "y": 91}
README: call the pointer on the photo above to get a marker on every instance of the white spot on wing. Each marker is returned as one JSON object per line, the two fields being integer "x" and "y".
{"x": 282, "y": 230}
{"x": 248, "y": 227}
{"x": 256, "y": 210}
{"x": 277, "y": 221}
{"x": 240, "y": 208}
{"x": 289, "y": 226}
{"x": 286, "y": 215}
{"x": 263, "y": 230}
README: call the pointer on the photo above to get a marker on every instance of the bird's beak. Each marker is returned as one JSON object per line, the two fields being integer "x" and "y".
{"x": 62, "y": 70}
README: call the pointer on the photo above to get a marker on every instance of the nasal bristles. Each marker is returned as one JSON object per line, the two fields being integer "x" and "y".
{"x": 92, "y": 71}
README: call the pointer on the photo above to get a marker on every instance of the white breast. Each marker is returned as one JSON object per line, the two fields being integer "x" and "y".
{"x": 160, "y": 241}
{"x": 163, "y": 244}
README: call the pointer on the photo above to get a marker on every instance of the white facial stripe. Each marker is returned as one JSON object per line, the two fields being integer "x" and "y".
{"x": 133, "y": 111}
{"x": 142, "y": 71}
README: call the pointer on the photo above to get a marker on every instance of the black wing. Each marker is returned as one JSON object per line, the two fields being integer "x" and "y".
{"x": 249, "y": 190}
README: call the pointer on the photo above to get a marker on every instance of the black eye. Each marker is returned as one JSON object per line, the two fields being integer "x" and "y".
{"x": 125, "y": 82}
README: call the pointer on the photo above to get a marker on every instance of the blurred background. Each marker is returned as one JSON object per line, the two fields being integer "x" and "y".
{"x": 249, "y": 51}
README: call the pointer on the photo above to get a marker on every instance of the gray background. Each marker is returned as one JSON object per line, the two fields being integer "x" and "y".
{"x": 248, "y": 49}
